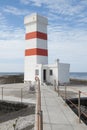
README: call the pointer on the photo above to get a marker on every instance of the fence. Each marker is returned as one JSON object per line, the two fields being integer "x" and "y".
{"x": 23, "y": 94}
{"x": 39, "y": 112}
{"x": 19, "y": 94}
{"x": 70, "y": 95}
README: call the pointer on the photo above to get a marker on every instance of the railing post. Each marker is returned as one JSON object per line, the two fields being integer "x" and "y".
{"x": 14, "y": 125}
{"x": 39, "y": 109}
{"x": 2, "y": 93}
{"x": 41, "y": 120}
{"x": 39, "y": 112}
{"x": 38, "y": 85}
{"x": 38, "y": 105}
{"x": 21, "y": 95}
{"x": 79, "y": 111}
{"x": 54, "y": 85}
{"x": 37, "y": 120}
{"x": 65, "y": 94}
{"x": 58, "y": 88}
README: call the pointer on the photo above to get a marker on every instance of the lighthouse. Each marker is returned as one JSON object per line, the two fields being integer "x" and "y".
{"x": 36, "y": 50}
{"x": 36, "y": 53}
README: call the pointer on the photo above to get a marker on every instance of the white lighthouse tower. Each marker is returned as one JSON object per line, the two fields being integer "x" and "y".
{"x": 36, "y": 52}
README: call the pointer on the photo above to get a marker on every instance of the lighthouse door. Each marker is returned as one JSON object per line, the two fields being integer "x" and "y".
{"x": 44, "y": 75}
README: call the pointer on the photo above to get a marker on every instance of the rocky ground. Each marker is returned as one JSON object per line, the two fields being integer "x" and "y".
{"x": 78, "y": 82}
{"x": 7, "y": 79}
{"x": 23, "y": 119}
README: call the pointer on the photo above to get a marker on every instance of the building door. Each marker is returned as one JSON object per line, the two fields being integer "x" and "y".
{"x": 44, "y": 75}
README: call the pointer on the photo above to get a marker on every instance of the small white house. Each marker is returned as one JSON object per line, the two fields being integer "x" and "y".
{"x": 36, "y": 53}
{"x": 49, "y": 73}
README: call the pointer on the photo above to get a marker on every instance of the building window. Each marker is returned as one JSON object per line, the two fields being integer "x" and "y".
{"x": 51, "y": 72}
{"x": 36, "y": 72}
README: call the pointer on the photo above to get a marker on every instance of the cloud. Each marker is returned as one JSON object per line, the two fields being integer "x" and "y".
{"x": 9, "y": 32}
{"x": 25, "y": 1}
{"x": 82, "y": 20}
{"x": 12, "y": 45}
{"x": 73, "y": 12}
{"x": 67, "y": 34}
{"x": 12, "y": 48}
{"x": 2, "y": 20}
{"x": 64, "y": 7}
{"x": 12, "y": 55}
{"x": 11, "y": 67}
{"x": 69, "y": 45}
{"x": 14, "y": 10}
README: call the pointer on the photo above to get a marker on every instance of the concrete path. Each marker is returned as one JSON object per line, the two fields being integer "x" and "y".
{"x": 56, "y": 114}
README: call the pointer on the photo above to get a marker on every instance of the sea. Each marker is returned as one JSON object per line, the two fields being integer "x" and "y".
{"x": 73, "y": 75}
{"x": 10, "y": 73}
{"x": 78, "y": 75}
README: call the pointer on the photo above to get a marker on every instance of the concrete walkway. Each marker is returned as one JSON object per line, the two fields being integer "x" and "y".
{"x": 56, "y": 114}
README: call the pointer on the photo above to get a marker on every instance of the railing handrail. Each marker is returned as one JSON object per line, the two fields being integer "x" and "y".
{"x": 68, "y": 97}
{"x": 39, "y": 125}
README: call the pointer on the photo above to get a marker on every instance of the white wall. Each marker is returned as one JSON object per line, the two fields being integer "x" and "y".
{"x": 30, "y": 72}
{"x": 36, "y": 22}
{"x": 53, "y": 77}
{"x": 60, "y": 73}
{"x": 31, "y": 27}
{"x": 34, "y": 18}
{"x": 42, "y": 28}
{"x": 50, "y": 78}
{"x": 36, "y": 43}
{"x": 63, "y": 72}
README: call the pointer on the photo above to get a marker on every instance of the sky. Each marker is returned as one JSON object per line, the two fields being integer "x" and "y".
{"x": 67, "y": 32}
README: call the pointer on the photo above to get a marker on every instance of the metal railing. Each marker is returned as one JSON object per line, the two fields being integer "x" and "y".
{"x": 39, "y": 112}
{"x": 69, "y": 93}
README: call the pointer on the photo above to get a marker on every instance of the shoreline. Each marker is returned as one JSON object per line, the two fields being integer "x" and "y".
{"x": 74, "y": 81}
{"x": 9, "y": 79}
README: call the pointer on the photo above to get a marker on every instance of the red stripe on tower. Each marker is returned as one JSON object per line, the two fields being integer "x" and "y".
{"x": 36, "y": 51}
{"x": 36, "y": 34}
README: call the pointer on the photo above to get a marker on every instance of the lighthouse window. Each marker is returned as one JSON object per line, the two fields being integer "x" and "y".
{"x": 36, "y": 72}
{"x": 51, "y": 72}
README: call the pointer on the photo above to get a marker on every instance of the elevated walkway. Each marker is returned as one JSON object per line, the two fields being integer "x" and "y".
{"x": 56, "y": 114}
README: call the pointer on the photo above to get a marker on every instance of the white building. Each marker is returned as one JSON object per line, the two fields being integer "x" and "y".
{"x": 36, "y": 53}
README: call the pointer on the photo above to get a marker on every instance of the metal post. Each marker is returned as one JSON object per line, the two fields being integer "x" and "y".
{"x": 21, "y": 95}
{"x": 54, "y": 85}
{"x": 2, "y": 93}
{"x": 79, "y": 111}
{"x": 65, "y": 94}
{"x": 38, "y": 106}
{"x": 37, "y": 110}
{"x": 58, "y": 88}
{"x": 14, "y": 125}
{"x": 41, "y": 120}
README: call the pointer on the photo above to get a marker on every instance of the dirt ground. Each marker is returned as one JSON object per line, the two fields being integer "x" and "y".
{"x": 23, "y": 119}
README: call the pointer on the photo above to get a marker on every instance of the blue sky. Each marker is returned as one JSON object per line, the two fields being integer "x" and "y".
{"x": 67, "y": 32}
